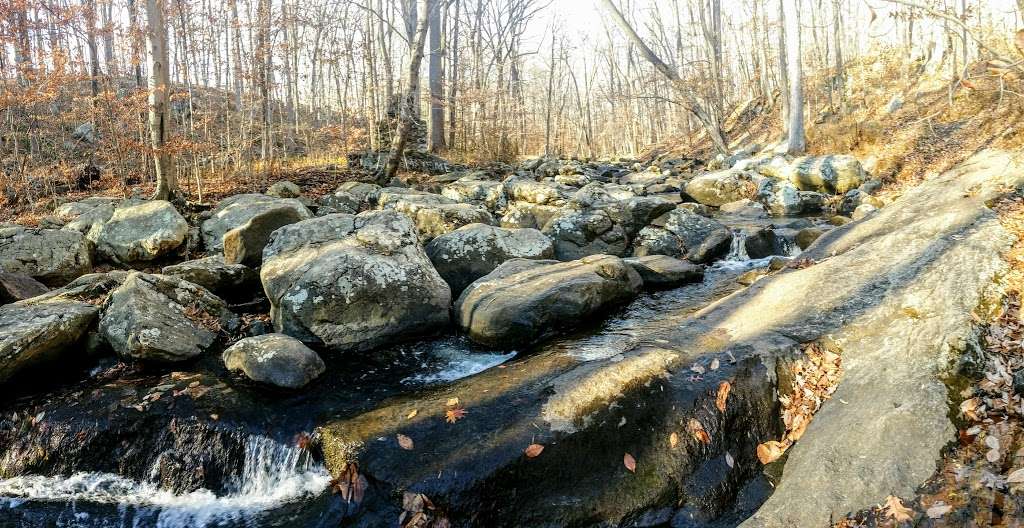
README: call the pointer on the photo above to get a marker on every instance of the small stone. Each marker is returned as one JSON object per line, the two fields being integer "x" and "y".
{"x": 18, "y": 286}
{"x": 284, "y": 189}
{"x": 274, "y": 359}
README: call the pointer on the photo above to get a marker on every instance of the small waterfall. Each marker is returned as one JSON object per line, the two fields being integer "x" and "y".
{"x": 738, "y": 247}
{"x": 277, "y": 481}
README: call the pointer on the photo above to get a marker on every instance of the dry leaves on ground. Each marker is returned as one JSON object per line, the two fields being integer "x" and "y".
{"x": 405, "y": 442}
{"x": 533, "y": 450}
{"x": 629, "y": 462}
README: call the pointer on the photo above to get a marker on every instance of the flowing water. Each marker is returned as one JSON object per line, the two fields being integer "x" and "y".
{"x": 282, "y": 485}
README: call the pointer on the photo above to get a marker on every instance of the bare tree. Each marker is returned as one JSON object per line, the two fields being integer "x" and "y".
{"x": 690, "y": 102}
{"x": 159, "y": 85}
{"x": 436, "y": 140}
{"x": 407, "y": 115}
{"x": 796, "y": 143}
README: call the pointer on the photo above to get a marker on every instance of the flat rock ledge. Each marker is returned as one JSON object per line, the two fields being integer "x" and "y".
{"x": 896, "y": 294}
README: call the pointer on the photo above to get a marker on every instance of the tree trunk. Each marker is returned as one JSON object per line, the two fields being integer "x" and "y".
{"x": 159, "y": 86}
{"x": 436, "y": 142}
{"x": 405, "y": 121}
{"x": 797, "y": 140}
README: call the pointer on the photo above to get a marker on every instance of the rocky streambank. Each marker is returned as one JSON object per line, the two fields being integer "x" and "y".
{"x": 552, "y": 343}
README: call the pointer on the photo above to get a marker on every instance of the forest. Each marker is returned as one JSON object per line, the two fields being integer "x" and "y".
{"x": 511, "y": 263}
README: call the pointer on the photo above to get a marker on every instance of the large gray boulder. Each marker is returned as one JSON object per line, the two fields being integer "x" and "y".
{"x": 236, "y": 210}
{"x": 161, "y": 318}
{"x": 662, "y": 271}
{"x": 577, "y": 234}
{"x": 229, "y": 281}
{"x": 39, "y": 334}
{"x": 827, "y": 174}
{"x": 488, "y": 193}
{"x": 472, "y": 251}
{"x": 782, "y": 198}
{"x": 51, "y": 256}
{"x": 83, "y": 214}
{"x": 244, "y": 244}
{"x": 353, "y": 282}
{"x": 525, "y": 301}
{"x": 719, "y": 188}
{"x": 685, "y": 234}
{"x": 274, "y": 359}
{"x": 524, "y": 189}
{"x": 433, "y": 214}
{"x": 140, "y": 232}
{"x": 18, "y": 287}
{"x": 528, "y": 215}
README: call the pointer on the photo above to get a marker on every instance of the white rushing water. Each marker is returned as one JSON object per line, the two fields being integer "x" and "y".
{"x": 455, "y": 361}
{"x": 273, "y": 475}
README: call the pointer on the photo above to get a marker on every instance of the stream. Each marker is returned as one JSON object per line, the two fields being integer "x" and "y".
{"x": 254, "y": 470}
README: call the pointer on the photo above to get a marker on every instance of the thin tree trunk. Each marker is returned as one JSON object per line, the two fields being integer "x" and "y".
{"x": 797, "y": 141}
{"x": 436, "y": 141}
{"x": 159, "y": 86}
{"x": 405, "y": 121}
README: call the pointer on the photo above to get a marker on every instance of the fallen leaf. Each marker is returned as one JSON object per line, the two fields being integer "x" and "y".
{"x": 453, "y": 402}
{"x": 729, "y": 460}
{"x": 673, "y": 440}
{"x": 714, "y": 364}
{"x": 405, "y": 442}
{"x": 697, "y": 368}
{"x": 938, "y": 510}
{"x": 455, "y": 414}
{"x": 770, "y": 451}
{"x": 412, "y": 414}
{"x": 1016, "y": 477}
{"x": 895, "y": 509}
{"x": 629, "y": 462}
{"x": 698, "y": 432}
{"x": 533, "y": 450}
{"x": 723, "y": 395}
{"x": 968, "y": 408}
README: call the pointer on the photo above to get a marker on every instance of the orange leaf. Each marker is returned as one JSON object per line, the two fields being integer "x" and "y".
{"x": 533, "y": 450}
{"x": 455, "y": 414}
{"x": 629, "y": 462}
{"x": 673, "y": 440}
{"x": 770, "y": 451}
{"x": 723, "y": 395}
{"x": 698, "y": 432}
{"x": 405, "y": 442}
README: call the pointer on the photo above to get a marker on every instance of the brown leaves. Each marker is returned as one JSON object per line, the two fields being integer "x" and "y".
{"x": 629, "y": 462}
{"x": 533, "y": 450}
{"x": 1019, "y": 41}
{"x": 419, "y": 512}
{"x": 405, "y": 442}
{"x": 723, "y": 395}
{"x": 969, "y": 408}
{"x": 895, "y": 510}
{"x": 697, "y": 430}
{"x": 673, "y": 440}
{"x": 350, "y": 484}
{"x": 771, "y": 450}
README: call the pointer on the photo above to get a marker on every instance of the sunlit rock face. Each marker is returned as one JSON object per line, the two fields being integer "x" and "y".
{"x": 472, "y": 251}
{"x": 235, "y": 211}
{"x": 353, "y": 282}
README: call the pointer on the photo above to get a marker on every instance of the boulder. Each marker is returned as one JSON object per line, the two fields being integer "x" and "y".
{"x": 236, "y": 210}
{"x": 827, "y": 174}
{"x": 40, "y": 334}
{"x": 353, "y": 282}
{"x": 662, "y": 271}
{"x": 683, "y": 233}
{"x": 284, "y": 189}
{"x": 244, "y": 244}
{"x": 522, "y": 189}
{"x": 577, "y": 234}
{"x": 525, "y": 301}
{"x": 635, "y": 213}
{"x": 745, "y": 208}
{"x": 488, "y": 193}
{"x": 140, "y": 232}
{"x": 161, "y": 318}
{"x": 339, "y": 202}
{"x": 229, "y": 281}
{"x": 854, "y": 199}
{"x": 719, "y": 188}
{"x": 472, "y": 251}
{"x": 528, "y": 215}
{"x": 18, "y": 286}
{"x": 863, "y": 211}
{"x": 784, "y": 199}
{"x": 274, "y": 359}
{"x": 433, "y": 214}
{"x": 82, "y": 215}
{"x": 764, "y": 242}
{"x": 366, "y": 193}
{"x": 596, "y": 194}
{"x": 805, "y": 237}
{"x": 51, "y": 256}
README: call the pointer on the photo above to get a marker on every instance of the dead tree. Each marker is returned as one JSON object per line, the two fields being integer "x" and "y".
{"x": 407, "y": 113}
{"x": 796, "y": 143}
{"x": 159, "y": 86}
